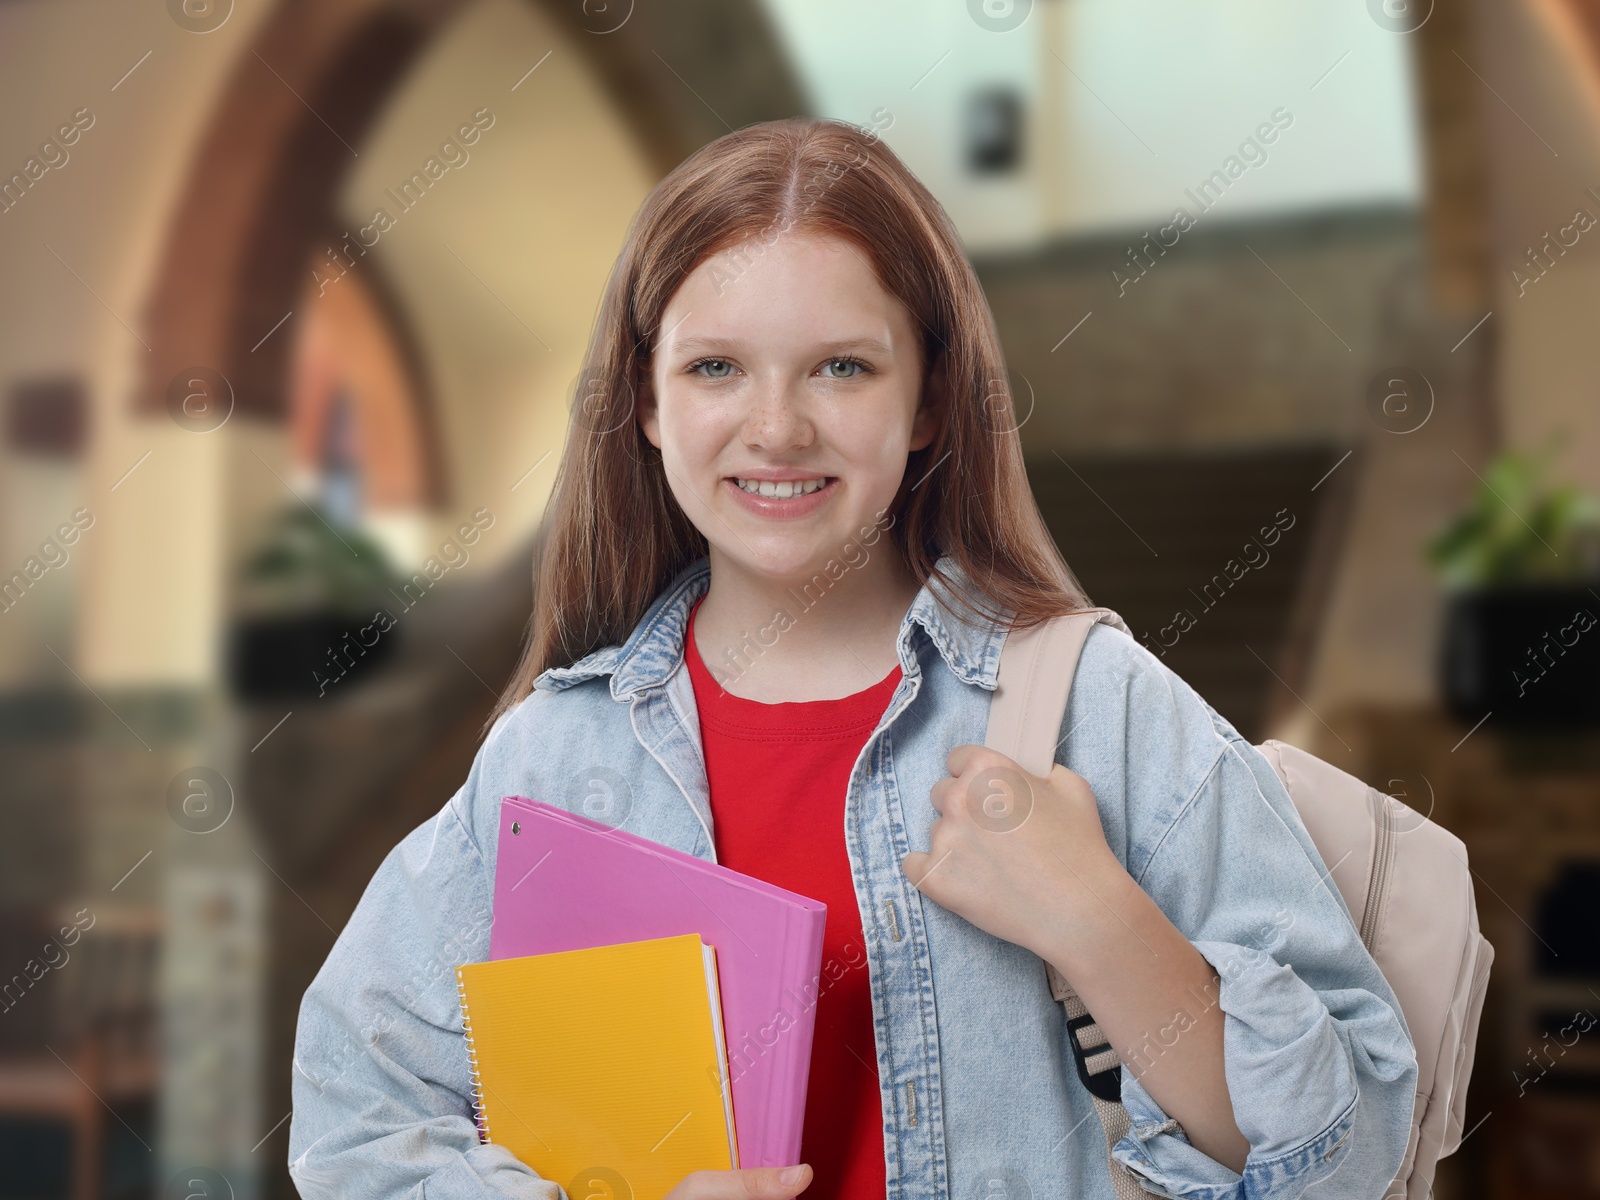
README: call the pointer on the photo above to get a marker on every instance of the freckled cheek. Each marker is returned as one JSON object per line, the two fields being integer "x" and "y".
{"x": 695, "y": 433}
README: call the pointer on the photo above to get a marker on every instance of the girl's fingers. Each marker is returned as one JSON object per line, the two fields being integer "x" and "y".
{"x": 755, "y": 1183}
{"x": 966, "y": 762}
{"x": 968, "y": 756}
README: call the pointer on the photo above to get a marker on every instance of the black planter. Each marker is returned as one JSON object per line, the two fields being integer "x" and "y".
{"x": 306, "y": 655}
{"x": 1564, "y": 925}
{"x": 1529, "y": 654}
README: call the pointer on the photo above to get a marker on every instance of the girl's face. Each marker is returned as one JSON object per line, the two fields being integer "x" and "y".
{"x": 785, "y": 394}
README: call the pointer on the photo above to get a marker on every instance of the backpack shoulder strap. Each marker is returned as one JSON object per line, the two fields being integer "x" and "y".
{"x": 1037, "y": 666}
{"x": 1031, "y": 688}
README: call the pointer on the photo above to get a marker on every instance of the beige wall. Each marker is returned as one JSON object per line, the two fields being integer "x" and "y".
{"x": 536, "y": 216}
{"x": 1536, "y": 58}
{"x": 152, "y": 549}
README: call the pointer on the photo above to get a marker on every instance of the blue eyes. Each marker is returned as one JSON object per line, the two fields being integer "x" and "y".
{"x": 861, "y": 367}
{"x": 725, "y": 368}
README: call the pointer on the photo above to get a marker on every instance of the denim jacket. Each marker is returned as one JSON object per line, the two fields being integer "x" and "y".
{"x": 980, "y": 1095}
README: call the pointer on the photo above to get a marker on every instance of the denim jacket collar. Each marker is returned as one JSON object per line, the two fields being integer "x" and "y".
{"x": 969, "y": 646}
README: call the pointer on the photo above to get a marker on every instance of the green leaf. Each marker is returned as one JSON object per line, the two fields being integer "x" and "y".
{"x": 1518, "y": 530}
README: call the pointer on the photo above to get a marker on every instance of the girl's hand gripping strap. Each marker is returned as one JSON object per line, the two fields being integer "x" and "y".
{"x": 1025, "y": 717}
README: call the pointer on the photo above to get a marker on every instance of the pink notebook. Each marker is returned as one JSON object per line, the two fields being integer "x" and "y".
{"x": 565, "y": 882}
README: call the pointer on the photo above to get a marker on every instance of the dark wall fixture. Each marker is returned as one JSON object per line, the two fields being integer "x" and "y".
{"x": 48, "y": 417}
{"x": 992, "y": 131}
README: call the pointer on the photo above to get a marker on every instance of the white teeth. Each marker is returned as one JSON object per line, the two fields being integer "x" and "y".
{"x": 785, "y": 490}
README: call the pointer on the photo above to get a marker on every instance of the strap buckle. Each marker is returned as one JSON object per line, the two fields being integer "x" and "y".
{"x": 1106, "y": 1084}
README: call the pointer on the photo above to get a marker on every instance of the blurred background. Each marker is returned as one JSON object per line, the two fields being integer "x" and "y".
{"x": 1299, "y": 303}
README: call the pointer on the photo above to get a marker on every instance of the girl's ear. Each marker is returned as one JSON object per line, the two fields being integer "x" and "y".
{"x": 932, "y": 407}
{"x": 649, "y": 415}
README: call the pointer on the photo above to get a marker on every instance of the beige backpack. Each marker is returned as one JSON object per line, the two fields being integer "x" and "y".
{"x": 1403, "y": 878}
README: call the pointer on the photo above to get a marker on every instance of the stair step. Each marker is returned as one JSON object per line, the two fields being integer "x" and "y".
{"x": 1147, "y": 534}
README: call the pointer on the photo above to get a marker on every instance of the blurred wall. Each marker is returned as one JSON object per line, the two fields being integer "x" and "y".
{"x": 86, "y": 238}
{"x": 1545, "y": 139}
{"x": 499, "y": 268}
{"x": 1126, "y": 104}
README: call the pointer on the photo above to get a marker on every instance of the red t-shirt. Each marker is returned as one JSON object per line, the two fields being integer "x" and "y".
{"x": 778, "y": 775}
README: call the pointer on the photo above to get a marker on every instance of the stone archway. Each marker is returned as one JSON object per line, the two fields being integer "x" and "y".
{"x": 264, "y": 181}
{"x": 263, "y": 186}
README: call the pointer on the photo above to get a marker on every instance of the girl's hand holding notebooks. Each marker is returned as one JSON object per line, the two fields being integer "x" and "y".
{"x": 756, "y": 1183}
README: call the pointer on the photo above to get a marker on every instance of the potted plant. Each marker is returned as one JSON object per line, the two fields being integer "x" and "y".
{"x": 1522, "y": 623}
{"x": 309, "y": 595}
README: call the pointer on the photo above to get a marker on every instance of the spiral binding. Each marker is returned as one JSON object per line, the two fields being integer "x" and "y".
{"x": 478, "y": 1112}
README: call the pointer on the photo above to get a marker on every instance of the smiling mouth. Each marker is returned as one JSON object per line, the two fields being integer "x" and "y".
{"x": 786, "y": 489}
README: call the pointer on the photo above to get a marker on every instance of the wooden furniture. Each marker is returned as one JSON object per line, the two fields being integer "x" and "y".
{"x": 79, "y": 1042}
{"x": 1527, "y": 806}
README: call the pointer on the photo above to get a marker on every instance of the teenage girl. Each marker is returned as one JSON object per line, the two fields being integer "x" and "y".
{"x": 791, "y": 529}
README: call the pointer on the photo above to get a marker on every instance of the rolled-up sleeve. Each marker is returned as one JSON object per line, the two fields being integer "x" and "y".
{"x": 1320, "y": 1067}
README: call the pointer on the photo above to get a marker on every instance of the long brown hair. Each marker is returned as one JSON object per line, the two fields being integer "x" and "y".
{"x": 615, "y": 536}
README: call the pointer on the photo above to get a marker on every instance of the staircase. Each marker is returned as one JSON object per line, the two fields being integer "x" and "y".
{"x": 1174, "y": 543}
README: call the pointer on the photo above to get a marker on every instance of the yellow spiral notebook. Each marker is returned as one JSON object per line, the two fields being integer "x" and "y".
{"x": 603, "y": 1066}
